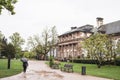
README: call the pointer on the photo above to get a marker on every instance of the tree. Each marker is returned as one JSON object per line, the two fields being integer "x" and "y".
{"x": 8, "y": 5}
{"x": 28, "y": 54}
{"x": 1, "y": 38}
{"x": 96, "y": 46}
{"x": 46, "y": 39}
{"x": 8, "y": 49}
{"x": 1, "y": 35}
{"x": 42, "y": 45}
{"x": 100, "y": 47}
{"x": 31, "y": 42}
{"x": 36, "y": 45}
{"x": 17, "y": 41}
{"x": 54, "y": 39}
{"x": 4, "y": 47}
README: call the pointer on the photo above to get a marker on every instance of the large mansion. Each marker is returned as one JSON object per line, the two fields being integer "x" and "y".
{"x": 69, "y": 43}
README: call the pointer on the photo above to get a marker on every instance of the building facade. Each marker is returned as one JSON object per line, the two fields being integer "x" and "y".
{"x": 69, "y": 43}
{"x": 112, "y": 29}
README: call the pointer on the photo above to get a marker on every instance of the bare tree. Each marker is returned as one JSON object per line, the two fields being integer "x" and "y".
{"x": 36, "y": 45}
{"x": 46, "y": 38}
{"x": 54, "y": 38}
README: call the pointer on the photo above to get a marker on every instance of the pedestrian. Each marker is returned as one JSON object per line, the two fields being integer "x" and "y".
{"x": 25, "y": 64}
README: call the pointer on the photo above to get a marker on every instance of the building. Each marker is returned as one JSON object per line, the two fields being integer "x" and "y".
{"x": 69, "y": 43}
{"x": 112, "y": 29}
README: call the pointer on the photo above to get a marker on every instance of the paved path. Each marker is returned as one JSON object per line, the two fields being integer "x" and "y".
{"x": 38, "y": 70}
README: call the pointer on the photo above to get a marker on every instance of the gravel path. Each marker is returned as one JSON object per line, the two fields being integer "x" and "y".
{"x": 38, "y": 70}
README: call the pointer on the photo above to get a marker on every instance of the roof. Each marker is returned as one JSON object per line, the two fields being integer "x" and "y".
{"x": 85, "y": 28}
{"x": 111, "y": 28}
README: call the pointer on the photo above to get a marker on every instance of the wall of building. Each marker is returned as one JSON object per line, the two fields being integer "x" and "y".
{"x": 69, "y": 45}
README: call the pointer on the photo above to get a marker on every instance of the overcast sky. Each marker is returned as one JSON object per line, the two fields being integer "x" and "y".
{"x": 34, "y": 15}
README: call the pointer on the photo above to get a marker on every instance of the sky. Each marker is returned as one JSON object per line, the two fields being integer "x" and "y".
{"x": 32, "y": 16}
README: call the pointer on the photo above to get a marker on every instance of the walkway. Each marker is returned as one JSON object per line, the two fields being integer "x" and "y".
{"x": 38, "y": 70}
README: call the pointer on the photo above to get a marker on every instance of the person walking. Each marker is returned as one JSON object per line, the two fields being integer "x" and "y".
{"x": 25, "y": 64}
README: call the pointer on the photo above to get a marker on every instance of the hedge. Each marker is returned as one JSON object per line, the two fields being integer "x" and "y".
{"x": 96, "y": 62}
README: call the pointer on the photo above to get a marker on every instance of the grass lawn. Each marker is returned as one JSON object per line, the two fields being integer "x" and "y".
{"x": 16, "y": 67}
{"x": 112, "y": 72}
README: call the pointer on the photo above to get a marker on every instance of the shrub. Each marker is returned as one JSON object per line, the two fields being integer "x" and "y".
{"x": 89, "y": 61}
{"x": 86, "y": 61}
{"x": 117, "y": 61}
{"x": 51, "y": 62}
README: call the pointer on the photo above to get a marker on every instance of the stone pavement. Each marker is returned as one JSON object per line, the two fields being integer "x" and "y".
{"x": 38, "y": 70}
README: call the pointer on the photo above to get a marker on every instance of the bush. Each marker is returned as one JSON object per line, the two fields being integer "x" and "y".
{"x": 3, "y": 57}
{"x": 86, "y": 61}
{"x": 117, "y": 61}
{"x": 51, "y": 62}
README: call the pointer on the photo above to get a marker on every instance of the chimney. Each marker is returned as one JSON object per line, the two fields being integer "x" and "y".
{"x": 99, "y": 21}
{"x": 73, "y": 28}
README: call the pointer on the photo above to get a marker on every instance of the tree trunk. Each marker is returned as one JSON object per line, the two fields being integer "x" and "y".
{"x": 9, "y": 59}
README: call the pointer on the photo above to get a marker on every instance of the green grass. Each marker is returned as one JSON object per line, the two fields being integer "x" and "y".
{"x": 111, "y": 72}
{"x": 16, "y": 67}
